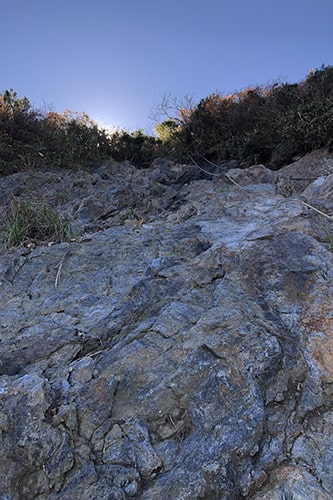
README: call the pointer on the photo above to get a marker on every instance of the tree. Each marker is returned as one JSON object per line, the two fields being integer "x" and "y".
{"x": 11, "y": 103}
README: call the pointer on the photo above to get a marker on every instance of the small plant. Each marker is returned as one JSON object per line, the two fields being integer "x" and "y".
{"x": 329, "y": 242}
{"x": 128, "y": 213}
{"x": 33, "y": 221}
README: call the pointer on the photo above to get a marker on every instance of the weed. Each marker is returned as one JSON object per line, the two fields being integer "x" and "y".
{"x": 33, "y": 221}
{"x": 128, "y": 213}
{"x": 329, "y": 241}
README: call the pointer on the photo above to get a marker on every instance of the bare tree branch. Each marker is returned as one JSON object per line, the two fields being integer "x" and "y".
{"x": 172, "y": 108}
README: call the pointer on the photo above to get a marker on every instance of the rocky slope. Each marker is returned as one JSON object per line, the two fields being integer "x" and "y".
{"x": 181, "y": 346}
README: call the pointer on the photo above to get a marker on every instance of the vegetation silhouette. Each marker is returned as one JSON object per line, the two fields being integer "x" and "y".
{"x": 263, "y": 124}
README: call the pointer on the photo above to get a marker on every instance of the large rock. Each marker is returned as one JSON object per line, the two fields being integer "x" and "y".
{"x": 187, "y": 355}
{"x": 294, "y": 178}
{"x": 256, "y": 174}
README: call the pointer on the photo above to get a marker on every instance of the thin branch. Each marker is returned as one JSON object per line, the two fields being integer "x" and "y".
{"x": 57, "y": 280}
{"x": 231, "y": 180}
{"x": 330, "y": 217}
{"x": 208, "y": 161}
{"x": 172, "y": 108}
{"x": 202, "y": 169}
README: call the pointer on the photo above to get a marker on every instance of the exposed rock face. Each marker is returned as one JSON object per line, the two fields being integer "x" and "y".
{"x": 296, "y": 177}
{"x": 185, "y": 353}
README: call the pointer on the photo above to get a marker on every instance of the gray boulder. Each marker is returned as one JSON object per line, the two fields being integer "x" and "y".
{"x": 182, "y": 353}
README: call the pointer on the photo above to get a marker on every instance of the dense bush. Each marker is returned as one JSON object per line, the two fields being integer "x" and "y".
{"x": 268, "y": 124}
{"x": 29, "y": 138}
{"x": 136, "y": 147}
{"x": 72, "y": 139}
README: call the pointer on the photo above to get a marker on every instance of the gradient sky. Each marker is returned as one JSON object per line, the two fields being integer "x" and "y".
{"x": 114, "y": 59}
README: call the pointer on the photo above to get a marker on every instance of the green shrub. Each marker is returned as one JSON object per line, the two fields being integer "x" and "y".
{"x": 329, "y": 241}
{"x": 35, "y": 221}
{"x": 135, "y": 147}
{"x": 72, "y": 140}
{"x": 29, "y": 138}
{"x": 318, "y": 85}
{"x": 267, "y": 124}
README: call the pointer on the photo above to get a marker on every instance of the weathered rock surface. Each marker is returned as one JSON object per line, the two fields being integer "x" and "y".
{"x": 180, "y": 348}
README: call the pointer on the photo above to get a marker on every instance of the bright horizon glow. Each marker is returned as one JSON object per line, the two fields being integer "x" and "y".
{"x": 110, "y": 129}
{"x": 114, "y": 60}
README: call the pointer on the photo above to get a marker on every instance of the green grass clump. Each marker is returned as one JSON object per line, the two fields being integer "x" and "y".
{"x": 33, "y": 221}
{"x": 329, "y": 242}
{"x": 128, "y": 213}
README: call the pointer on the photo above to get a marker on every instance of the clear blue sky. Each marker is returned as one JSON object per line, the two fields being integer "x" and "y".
{"x": 115, "y": 58}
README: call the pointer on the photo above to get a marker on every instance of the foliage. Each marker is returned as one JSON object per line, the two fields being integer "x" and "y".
{"x": 29, "y": 138}
{"x": 329, "y": 241}
{"x": 166, "y": 130}
{"x": 128, "y": 213}
{"x": 73, "y": 139}
{"x": 33, "y": 221}
{"x": 135, "y": 147}
{"x": 269, "y": 124}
